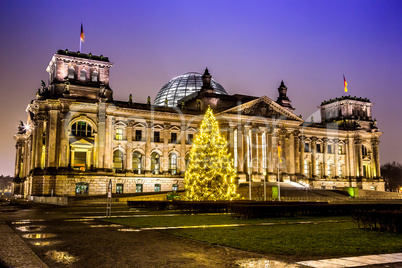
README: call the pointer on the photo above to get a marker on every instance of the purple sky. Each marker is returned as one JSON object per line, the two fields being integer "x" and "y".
{"x": 248, "y": 46}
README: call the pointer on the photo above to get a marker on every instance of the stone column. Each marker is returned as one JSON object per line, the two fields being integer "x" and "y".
{"x": 376, "y": 158}
{"x": 336, "y": 158}
{"x": 325, "y": 162}
{"x": 109, "y": 136}
{"x": 348, "y": 160}
{"x": 38, "y": 141}
{"x": 261, "y": 149}
{"x": 296, "y": 143}
{"x": 240, "y": 149}
{"x": 52, "y": 138}
{"x": 182, "y": 162}
{"x": 254, "y": 148}
{"x": 129, "y": 149}
{"x": 301, "y": 155}
{"x": 313, "y": 156}
{"x": 290, "y": 153}
{"x": 247, "y": 146}
{"x": 359, "y": 157}
{"x": 101, "y": 163}
{"x": 164, "y": 161}
{"x": 270, "y": 156}
{"x": 147, "y": 161}
{"x": 64, "y": 142}
{"x": 18, "y": 148}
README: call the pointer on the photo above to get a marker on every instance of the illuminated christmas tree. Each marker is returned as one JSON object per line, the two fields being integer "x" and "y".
{"x": 210, "y": 174}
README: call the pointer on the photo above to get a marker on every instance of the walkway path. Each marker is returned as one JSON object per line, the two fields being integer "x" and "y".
{"x": 356, "y": 261}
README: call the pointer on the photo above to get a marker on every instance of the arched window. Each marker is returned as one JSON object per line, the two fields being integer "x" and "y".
{"x": 81, "y": 129}
{"x": 137, "y": 157}
{"x": 155, "y": 159}
{"x": 71, "y": 72}
{"x": 173, "y": 163}
{"x": 83, "y": 75}
{"x": 94, "y": 76}
{"x": 118, "y": 160}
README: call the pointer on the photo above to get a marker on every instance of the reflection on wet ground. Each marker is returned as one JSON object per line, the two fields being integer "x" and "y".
{"x": 129, "y": 230}
{"x": 79, "y": 220}
{"x": 102, "y": 225}
{"x": 246, "y": 263}
{"x": 27, "y": 221}
{"x": 61, "y": 256}
{"x": 30, "y": 228}
{"x": 38, "y": 235}
{"x": 44, "y": 243}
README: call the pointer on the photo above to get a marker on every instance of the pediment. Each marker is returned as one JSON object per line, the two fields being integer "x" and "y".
{"x": 264, "y": 107}
{"x": 82, "y": 143}
{"x": 174, "y": 128}
{"x": 157, "y": 127}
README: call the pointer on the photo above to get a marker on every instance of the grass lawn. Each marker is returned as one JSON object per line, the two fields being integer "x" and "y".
{"x": 295, "y": 241}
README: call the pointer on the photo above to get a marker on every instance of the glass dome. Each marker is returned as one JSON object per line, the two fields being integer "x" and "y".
{"x": 182, "y": 86}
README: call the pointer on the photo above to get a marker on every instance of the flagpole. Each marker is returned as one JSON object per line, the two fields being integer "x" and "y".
{"x": 80, "y": 45}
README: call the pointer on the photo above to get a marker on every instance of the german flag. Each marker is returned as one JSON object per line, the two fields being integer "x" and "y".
{"x": 82, "y": 36}
{"x": 345, "y": 84}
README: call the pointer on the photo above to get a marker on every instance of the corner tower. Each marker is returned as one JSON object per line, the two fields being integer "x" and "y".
{"x": 78, "y": 75}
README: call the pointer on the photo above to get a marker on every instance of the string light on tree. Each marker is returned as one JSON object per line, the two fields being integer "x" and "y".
{"x": 210, "y": 174}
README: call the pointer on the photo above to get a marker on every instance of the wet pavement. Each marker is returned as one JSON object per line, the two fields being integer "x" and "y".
{"x": 38, "y": 235}
{"x": 46, "y": 235}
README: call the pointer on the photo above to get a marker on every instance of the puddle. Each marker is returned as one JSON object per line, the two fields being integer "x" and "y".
{"x": 26, "y": 221}
{"x": 129, "y": 230}
{"x": 61, "y": 256}
{"x": 30, "y": 228}
{"x": 79, "y": 220}
{"x": 44, "y": 243}
{"x": 110, "y": 225}
{"x": 38, "y": 235}
{"x": 264, "y": 263}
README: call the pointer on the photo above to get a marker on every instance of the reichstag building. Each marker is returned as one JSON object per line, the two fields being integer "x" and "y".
{"x": 77, "y": 137}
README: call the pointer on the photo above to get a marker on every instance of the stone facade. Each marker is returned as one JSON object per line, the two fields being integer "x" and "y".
{"x": 77, "y": 137}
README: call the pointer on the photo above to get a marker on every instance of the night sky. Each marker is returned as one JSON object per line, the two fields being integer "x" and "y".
{"x": 248, "y": 46}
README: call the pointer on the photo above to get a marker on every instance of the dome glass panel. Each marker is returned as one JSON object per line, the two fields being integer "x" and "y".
{"x": 183, "y": 86}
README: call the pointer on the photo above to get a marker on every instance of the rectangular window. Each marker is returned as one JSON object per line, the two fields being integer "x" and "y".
{"x": 80, "y": 160}
{"x": 138, "y": 135}
{"x": 173, "y": 137}
{"x": 119, "y": 133}
{"x": 339, "y": 170}
{"x": 119, "y": 188}
{"x": 306, "y": 147}
{"x": 318, "y": 148}
{"x": 190, "y": 138}
{"x": 138, "y": 188}
{"x": 340, "y": 149}
{"x": 157, "y": 187}
{"x": 175, "y": 187}
{"x": 157, "y": 136}
{"x": 329, "y": 148}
